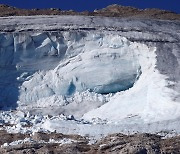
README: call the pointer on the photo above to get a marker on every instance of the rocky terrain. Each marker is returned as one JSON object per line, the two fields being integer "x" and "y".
{"x": 41, "y": 143}
{"x": 110, "y": 11}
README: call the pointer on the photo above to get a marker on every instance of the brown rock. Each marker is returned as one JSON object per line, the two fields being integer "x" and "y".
{"x": 109, "y": 11}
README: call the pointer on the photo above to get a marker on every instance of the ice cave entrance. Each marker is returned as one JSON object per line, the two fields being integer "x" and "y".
{"x": 103, "y": 73}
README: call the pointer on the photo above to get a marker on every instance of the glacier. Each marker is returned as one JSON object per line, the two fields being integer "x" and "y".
{"x": 118, "y": 71}
{"x": 81, "y": 64}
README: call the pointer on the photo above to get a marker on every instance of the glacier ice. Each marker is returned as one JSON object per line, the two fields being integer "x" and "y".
{"x": 124, "y": 74}
{"x": 85, "y": 61}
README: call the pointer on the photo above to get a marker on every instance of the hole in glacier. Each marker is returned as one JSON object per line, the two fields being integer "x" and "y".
{"x": 117, "y": 86}
{"x": 71, "y": 89}
{"x": 99, "y": 76}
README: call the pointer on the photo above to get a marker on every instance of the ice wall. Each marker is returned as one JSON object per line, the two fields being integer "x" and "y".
{"x": 41, "y": 65}
{"x": 90, "y": 74}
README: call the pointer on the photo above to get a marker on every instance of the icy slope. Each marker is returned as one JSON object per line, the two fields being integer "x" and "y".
{"x": 116, "y": 70}
{"x": 94, "y": 58}
{"x": 83, "y": 59}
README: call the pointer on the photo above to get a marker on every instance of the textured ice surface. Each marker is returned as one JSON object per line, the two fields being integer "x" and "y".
{"x": 101, "y": 63}
{"x": 113, "y": 71}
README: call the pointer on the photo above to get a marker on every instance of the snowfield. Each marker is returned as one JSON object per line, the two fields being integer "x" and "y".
{"x": 89, "y": 75}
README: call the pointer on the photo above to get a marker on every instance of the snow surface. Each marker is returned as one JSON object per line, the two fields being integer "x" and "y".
{"x": 30, "y": 140}
{"x": 93, "y": 75}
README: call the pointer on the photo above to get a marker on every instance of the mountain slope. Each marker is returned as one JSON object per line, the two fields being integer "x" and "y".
{"x": 110, "y": 11}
